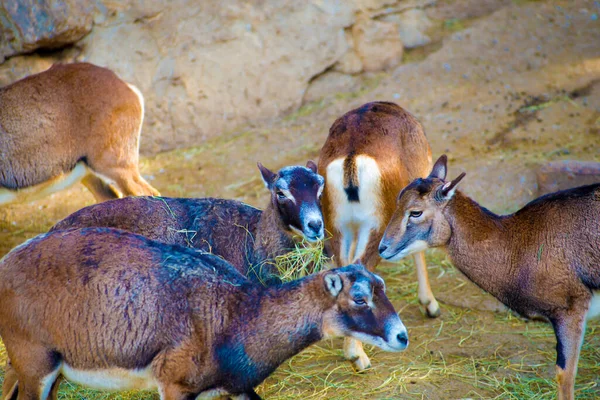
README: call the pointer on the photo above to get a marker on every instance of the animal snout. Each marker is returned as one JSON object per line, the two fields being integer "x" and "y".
{"x": 382, "y": 247}
{"x": 315, "y": 226}
{"x": 402, "y": 338}
{"x": 314, "y": 230}
{"x": 397, "y": 335}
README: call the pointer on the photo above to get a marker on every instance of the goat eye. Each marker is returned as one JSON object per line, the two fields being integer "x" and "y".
{"x": 416, "y": 214}
{"x": 360, "y": 302}
{"x": 280, "y": 195}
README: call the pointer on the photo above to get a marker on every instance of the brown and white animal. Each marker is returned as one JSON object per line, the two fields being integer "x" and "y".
{"x": 113, "y": 310}
{"x": 247, "y": 237}
{"x": 70, "y": 123}
{"x": 542, "y": 261}
{"x": 371, "y": 153}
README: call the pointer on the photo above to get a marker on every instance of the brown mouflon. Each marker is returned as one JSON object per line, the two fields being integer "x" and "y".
{"x": 247, "y": 237}
{"x": 542, "y": 261}
{"x": 113, "y": 310}
{"x": 72, "y": 122}
{"x": 371, "y": 153}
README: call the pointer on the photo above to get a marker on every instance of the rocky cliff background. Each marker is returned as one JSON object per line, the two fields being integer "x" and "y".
{"x": 206, "y": 67}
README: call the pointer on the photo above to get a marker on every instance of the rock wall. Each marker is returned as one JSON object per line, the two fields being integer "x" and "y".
{"x": 206, "y": 67}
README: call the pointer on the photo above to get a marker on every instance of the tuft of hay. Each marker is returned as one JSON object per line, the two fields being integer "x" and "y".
{"x": 307, "y": 258}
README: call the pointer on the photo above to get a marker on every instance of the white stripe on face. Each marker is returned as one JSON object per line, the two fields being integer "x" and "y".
{"x": 288, "y": 194}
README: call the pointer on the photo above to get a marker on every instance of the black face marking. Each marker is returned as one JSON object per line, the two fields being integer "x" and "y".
{"x": 304, "y": 185}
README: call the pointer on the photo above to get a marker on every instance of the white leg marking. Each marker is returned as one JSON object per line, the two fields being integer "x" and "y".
{"x": 346, "y": 241}
{"x": 44, "y": 189}
{"x": 46, "y": 384}
{"x": 141, "y": 99}
{"x": 112, "y": 378}
{"x": 364, "y": 234}
{"x": 212, "y": 394}
{"x": 355, "y": 220}
{"x": 594, "y": 308}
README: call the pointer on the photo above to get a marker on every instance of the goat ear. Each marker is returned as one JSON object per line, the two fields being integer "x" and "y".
{"x": 268, "y": 176}
{"x": 447, "y": 191}
{"x": 440, "y": 168}
{"x": 380, "y": 280}
{"x": 312, "y": 166}
{"x": 333, "y": 283}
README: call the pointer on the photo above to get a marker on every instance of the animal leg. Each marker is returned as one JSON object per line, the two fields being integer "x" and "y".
{"x": 128, "y": 181}
{"x": 347, "y": 240}
{"x": 569, "y": 330}
{"x": 172, "y": 392}
{"x": 365, "y": 244}
{"x": 250, "y": 395}
{"x": 353, "y": 351}
{"x": 426, "y": 297}
{"x": 36, "y": 369}
{"x": 55, "y": 388}
{"x": 100, "y": 190}
{"x": 9, "y": 387}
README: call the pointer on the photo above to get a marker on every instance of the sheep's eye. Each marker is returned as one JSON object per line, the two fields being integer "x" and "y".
{"x": 280, "y": 195}
{"x": 416, "y": 214}
{"x": 360, "y": 302}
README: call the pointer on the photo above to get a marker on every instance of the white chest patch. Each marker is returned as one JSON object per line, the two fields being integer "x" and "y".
{"x": 112, "y": 378}
{"x": 594, "y": 309}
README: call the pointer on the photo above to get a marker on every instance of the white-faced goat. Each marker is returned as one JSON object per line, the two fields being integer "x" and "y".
{"x": 371, "y": 153}
{"x": 542, "y": 261}
{"x": 113, "y": 310}
{"x": 73, "y": 122}
{"x": 246, "y": 237}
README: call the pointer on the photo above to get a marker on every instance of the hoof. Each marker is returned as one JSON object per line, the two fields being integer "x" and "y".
{"x": 433, "y": 310}
{"x": 361, "y": 363}
{"x": 354, "y": 352}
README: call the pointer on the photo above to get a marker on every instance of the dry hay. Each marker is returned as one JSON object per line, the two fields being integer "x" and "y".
{"x": 465, "y": 353}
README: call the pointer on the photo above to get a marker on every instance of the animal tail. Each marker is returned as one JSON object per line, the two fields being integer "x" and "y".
{"x": 351, "y": 178}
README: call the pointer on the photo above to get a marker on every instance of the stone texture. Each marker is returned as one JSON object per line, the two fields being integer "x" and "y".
{"x": 207, "y": 67}
{"x": 28, "y": 25}
{"x": 412, "y": 25}
{"x": 331, "y": 83}
{"x": 350, "y": 62}
{"x": 566, "y": 174}
{"x": 377, "y": 43}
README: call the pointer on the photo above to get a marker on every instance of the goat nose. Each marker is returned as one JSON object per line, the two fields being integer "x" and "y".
{"x": 315, "y": 225}
{"x": 402, "y": 338}
{"x": 382, "y": 248}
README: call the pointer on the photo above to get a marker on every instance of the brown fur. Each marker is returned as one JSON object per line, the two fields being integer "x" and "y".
{"x": 68, "y": 114}
{"x": 396, "y": 141}
{"x": 542, "y": 261}
{"x": 97, "y": 298}
{"x": 245, "y": 236}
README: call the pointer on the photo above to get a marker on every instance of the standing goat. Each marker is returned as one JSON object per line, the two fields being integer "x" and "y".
{"x": 113, "y": 310}
{"x": 371, "y": 153}
{"x": 72, "y": 122}
{"x": 542, "y": 261}
{"x": 248, "y": 238}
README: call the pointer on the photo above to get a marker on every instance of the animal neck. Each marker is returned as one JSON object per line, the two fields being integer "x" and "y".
{"x": 293, "y": 314}
{"x": 281, "y": 322}
{"x": 478, "y": 245}
{"x": 272, "y": 237}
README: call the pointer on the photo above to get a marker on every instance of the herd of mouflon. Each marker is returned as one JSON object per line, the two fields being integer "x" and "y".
{"x": 180, "y": 294}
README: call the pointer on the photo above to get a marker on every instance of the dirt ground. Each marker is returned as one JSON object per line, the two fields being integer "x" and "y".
{"x": 505, "y": 86}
